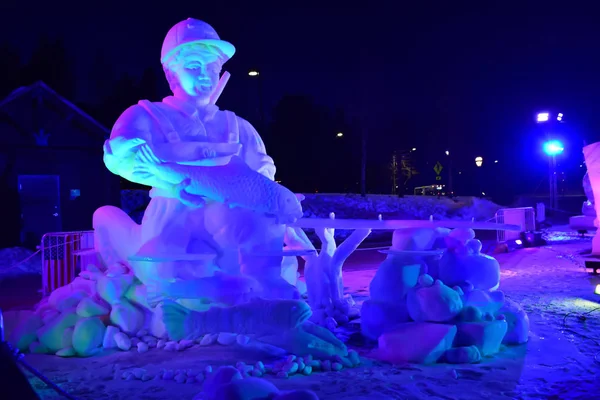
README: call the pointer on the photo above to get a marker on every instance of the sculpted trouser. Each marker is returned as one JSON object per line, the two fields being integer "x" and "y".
{"x": 240, "y": 239}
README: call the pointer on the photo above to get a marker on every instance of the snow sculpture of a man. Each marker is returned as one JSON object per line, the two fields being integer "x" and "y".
{"x": 187, "y": 129}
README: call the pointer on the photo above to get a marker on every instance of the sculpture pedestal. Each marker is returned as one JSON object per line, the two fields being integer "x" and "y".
{"x": 592, "y": 160}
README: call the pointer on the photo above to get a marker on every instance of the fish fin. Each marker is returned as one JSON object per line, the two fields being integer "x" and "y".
{"x": 190, "y": 200}
{"x": 175, "y": 318}
{"x": 145, "y": 155}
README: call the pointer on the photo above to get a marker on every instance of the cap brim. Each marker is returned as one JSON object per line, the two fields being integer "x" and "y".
{"x": 225, "y": 47}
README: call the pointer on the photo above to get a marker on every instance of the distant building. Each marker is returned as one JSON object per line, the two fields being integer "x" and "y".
{"x": 52, "y": 176}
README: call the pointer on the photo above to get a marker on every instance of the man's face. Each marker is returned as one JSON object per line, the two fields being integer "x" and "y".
{"x": 197, "y": 70}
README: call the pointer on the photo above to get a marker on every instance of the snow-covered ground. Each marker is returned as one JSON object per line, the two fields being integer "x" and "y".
{"x": 560, "y": 361}
{"x": 354, "y": 206}
{"x": 16, "y": 261}
{"x": 393, "y": 207}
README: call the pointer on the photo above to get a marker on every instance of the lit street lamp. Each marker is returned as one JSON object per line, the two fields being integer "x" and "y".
{"x": 414, "y": 149}
{"x": 543, "y": 117}
{"x": 340, "y": 134}
{"x": 450, "y": 185}
{"x": 261, "y": 112}
{"x": 479, "y": 161}
{"x": 553, "y": 148}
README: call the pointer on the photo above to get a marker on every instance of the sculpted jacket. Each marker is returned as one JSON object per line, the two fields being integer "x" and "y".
{"x": 176, "y": 131}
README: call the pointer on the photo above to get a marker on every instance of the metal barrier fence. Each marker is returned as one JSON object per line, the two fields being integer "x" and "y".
{"x": 523, "y": 216}
{"x": 63, "y": 255}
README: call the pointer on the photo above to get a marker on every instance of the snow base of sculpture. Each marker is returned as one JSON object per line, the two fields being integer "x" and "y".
{"x": 111, "y": 312}
{"x": 107, "y": 308}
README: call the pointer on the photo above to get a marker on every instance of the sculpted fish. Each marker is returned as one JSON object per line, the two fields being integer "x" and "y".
{"x": 221, "y": 288}
{"x": 258, "y": 316}
{"x": 234, "y": 184}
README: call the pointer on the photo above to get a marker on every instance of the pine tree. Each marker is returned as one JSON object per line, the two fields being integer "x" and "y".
{"x": 50, "y": 63}
{"x": 10, "y": 70}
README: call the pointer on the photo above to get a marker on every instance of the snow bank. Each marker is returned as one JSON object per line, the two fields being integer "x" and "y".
{"x": 354, "y": 206}
{"x": 319, "y": 205}
{"x": 393, "y": 207}
{"x": 17, "y": 261}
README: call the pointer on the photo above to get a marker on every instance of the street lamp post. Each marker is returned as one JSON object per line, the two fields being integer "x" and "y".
{"x": 253, "y": 73}
{"x": 552, "y": 148}
{"x": 450, "y": 188}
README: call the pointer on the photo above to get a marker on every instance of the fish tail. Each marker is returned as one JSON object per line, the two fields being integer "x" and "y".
{"x": 178, "y": 320}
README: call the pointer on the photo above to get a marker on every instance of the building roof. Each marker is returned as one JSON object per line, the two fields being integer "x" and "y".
{"x": 41, "y": 86}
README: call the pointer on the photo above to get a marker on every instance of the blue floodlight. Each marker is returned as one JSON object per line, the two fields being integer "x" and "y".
{"x": 553, "y": 147}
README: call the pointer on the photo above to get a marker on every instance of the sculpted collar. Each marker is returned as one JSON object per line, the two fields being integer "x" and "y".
{"x": 204, "y": 114}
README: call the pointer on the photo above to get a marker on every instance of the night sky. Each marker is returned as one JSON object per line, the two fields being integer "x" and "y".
{"x": 466, "y": 80}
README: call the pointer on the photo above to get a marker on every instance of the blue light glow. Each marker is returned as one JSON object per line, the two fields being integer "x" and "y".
{"x": 553, "y": 147}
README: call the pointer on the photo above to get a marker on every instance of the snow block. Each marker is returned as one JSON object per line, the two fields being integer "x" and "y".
{"x": 88, "y": 336}
{"x": 460, "y": 266}
{"x": 394, "y": 278}
{"x": 112, "y": 289}
{"x": 26, "y": 332}
{"x": 517, "y": 321}
{"x": 127, "y": 317}
{"x": 463, "y": 355}
{"x": 379, "y": 317}
{"x": 51, "y": 334}
{"x": 416, "y": 342}
{"x": 108, "y": 342}
{"x": 486, "y": 335}
{"x": 436, "y": 303}
{"x": 89, "y": 307}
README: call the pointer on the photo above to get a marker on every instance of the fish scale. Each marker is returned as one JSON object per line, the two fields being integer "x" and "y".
{"x": 235, "y": 183}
